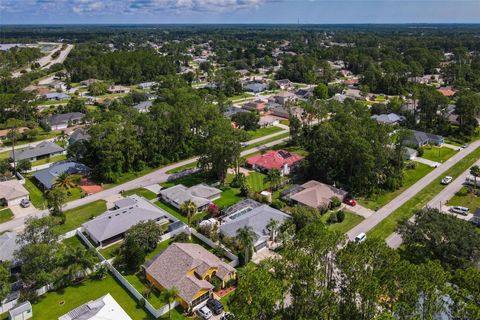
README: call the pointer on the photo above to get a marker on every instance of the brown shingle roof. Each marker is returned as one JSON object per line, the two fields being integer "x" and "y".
{"x": 316, "y": 194}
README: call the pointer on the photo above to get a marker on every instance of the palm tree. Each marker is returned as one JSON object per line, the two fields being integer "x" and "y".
{"x": 272, "y": 226}
{"x": 189, "y": 209}
{"x": 65, "y": 181}
{"x": 475, "y": 172}
{"x": 168, "y": 296}
{"x": 246, "y": 236}
{"x": 274, "y": 177}
{"x": 79, "y": 261}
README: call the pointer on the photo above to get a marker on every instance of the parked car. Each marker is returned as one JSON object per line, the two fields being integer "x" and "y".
{"x": 350, "y": 202}
{"x": 460, "y": 210}
{"x": 215, "y": 305}
{"x": 465, "y": 146}
{"x": 25, "y": 203}
{"x": 361, "y": 237}
{"x": 228, "y": 316}
{"x": 447, "y": 180}
{"x": 204, "y": 313}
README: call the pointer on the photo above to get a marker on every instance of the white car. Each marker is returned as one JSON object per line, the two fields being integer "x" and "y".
{"x": 361, "y": 237}
{"x": 447, "y": 180}
{"x": 460, "y": 210}
{"x": 204, "y": 313}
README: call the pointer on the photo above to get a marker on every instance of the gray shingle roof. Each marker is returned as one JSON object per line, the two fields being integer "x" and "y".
{"x": 257, "y": 219}
{"x": 170, "y": 268}
{"x": 125, "y": 215}
{"x": 8, "y": 245}
{"x": 199, "y": 194}
{"x": 19, "y": 309}
{"x": 47, "y": 176}
{"x": 143, "y": 106}
{"x": 64, "y": 118}
{"x": 79, "y": 134}
{"x": 390, "y": 118}
{"x": 41, "y": 149}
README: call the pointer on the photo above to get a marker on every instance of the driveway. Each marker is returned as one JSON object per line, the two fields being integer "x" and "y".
{"x": 429, "y": 163}
{"x": 360, "y": 210}
{"x": 369, "y": 223}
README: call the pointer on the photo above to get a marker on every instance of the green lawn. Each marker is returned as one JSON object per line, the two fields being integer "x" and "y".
{"x": 36, "y": 195}
{"x": 256, "y": 181}
{"x": 73, "y": 194}
{"x": 128, "y": 176}
{"x": 465, "y": 199}
{"x": 254, "y": 145}
{"x": 388, "y": 225}
{"x": 6, "y": 215}
{"x": 55, "y": 304}
{"x": 174, "y": 212}
{"x": 110, "y": 251}
{"x": 351, "y": 220}
{"x": 263, "y": 132}
{"x": 437, "y": 154}
{"x": 49, "y": 160}
{"x": 75, "y": 217}
{"x": 74, "y": 242}
{"x": 410, "y": 177}
{"x": 142, "y": 192}
{"x": 229, "y": 196}
{"x": 189, "y": 180}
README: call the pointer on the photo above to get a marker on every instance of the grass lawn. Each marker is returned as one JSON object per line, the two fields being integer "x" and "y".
{"x": 256, "y": 181}
{"x": 74, "y": 242}
{"x": 36, "y": 195}
{"x": 254, "y": 145}
{"x": 128, "y": 176}
{"x": 410, "y": 177}
{"x": 173, "y": 211}
{"x": 437, "y": 154}
{"x": 189, "y": 180}
{"x": 465, "y": 199}
{"x": 136, "y": 281}
{"x": 110, "y": 251}
{"x": 225, "y": 300}
{"x": 263, "y": 132}
{"x": 351, "y": 220}
{"x": 75, "y": 217}
{"x": 73, "y": 194}
{"x": 6, "y": 215}
{"x": 229, "y": 196}
{"x": 388, "y": 225}
{"x": 49, "y": 160}
{"x": 55, "y": 304}
{"x": 142, "y": 192}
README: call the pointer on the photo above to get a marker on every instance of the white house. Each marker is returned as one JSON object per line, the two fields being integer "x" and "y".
{"x": 104, "y": 308}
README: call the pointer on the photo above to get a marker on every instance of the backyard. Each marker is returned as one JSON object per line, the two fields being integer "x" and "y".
{"x": 437, "y": 154}
{"x": 410, "y": 177}
{"x": 49, "y": 160}
{"x": 75, "y": 217}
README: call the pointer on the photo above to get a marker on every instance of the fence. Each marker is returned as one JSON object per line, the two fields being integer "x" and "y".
{"x": 212, "y": 244}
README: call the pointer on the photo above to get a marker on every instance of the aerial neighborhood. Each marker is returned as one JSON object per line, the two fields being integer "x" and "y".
{"x": 268, "y": 172}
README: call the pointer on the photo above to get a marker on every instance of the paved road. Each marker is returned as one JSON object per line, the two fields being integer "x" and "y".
{"x": 155, "y": 177}
{"x": 369, "y": 223}
{"x": 439, "y": 201}
{"x": 47, "y": 60}
{"x": 26, "y": 145}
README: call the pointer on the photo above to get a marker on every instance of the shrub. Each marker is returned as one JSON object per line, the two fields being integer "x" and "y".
{"x": 181, "y": 237}
{"x": 411, "y": 165}
{"x": 335, "y": 203}
{"x": 420, "y": 151}
{"x": 340, "y": 216}
{"x": 332, "y": 218}
{"x": 278, "y": 204}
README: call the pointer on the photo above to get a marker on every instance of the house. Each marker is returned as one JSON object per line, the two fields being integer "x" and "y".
{"x": 201, "y": 194}
{"x": 354, "y": 94}
{"x": 313, "y": 194}
{"x": 388, "y": 119}
{"x": 78, "y": 135}
{"x": 340, "y": 97}
{"x": 43, "y": 150}
{"x": 284, "y": 84}
{"x": 282, "y": 160}
{"x": 147, "y": 85}
{"x": 420, "y": 139}
{"x": 118, "y": 89}
{"x": 284, "y": 97}
{"x": 283, "y": 112}
{"x": 304, "y": 94}
{"x": 21, "y": 312}
{"x": 143, "y": 106}
{"x": 190, "y": 269}
{"x": 104, "y": 308}
{"x": 409, "y": 153}
{"x": 231, "y": 111}
{"x": 4, "y": 133}
{"x": 64, "y": 120}
{"x": 58, "y": 85}
{"x": 112, "y": 225}
{"x": 268, "y": 121}
{"x": 257, "y": 217}
{"x": 255, "y": 87}
{"x": 257, "y": 105}
{"x": 48, "y": 176}
{"x": 88, "y": 82}
{"x": 8, "y": 245}
{"x": 476, "y": 217}
{"x": 12, "y": 192}
{"x": 57, "y": 96}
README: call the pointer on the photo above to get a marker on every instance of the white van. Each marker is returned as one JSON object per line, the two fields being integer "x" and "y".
{"x": 361, "y": 237}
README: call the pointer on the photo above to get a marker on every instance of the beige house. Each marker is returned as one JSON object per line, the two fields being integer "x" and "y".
{"x": 12, "y": 192}
{"x": 315, "y": 194}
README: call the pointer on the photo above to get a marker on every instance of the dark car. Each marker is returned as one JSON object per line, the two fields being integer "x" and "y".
{"x": 228, "y": 316}
{"x": 215, "y": 305}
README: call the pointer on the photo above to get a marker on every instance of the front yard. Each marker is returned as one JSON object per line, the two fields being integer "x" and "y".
{"x": 36, "y": 195}
{"x": 5, "y": 215}
{"x": 437, "y": 154}
{"x": 261, "y": 132}
{"x": 465, "y": 199}
{"x": 142, "y": 192}
{"x": 76, "y": 217}
{"x": 351, "y": 220}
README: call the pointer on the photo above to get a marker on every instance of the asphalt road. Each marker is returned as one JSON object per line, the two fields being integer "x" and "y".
{"x": 395, "y": 240}
{"x": 158, "y": 176}
{"x": 369, "y": 223}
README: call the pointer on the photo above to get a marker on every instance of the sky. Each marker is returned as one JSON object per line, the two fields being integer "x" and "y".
{"x": 237, "y": 11}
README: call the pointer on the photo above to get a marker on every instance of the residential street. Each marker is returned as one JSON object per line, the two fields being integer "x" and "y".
{"x": 395, "y": 240}
{"x": 155, "y": 177}
{"x": 369, "y": 223}
{"x": 47, "y": 61}
{"x": 26, "y": 145}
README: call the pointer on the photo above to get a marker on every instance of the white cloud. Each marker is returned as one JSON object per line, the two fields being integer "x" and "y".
{"x": 194, "y": 5}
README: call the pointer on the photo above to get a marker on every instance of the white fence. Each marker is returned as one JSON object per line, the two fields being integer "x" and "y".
{"x": 212, "y": 244}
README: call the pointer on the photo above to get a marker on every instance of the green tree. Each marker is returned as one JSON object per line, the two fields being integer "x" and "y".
{"x": 56, "y": 200}
{"x": 274, "y": 178}
{"x": 272, "y": 226}
{"x": 97, "y": 88}
{"x": 4, "y": 280}
{"x": 78, "y": 261}
{"x": 189, "y": 210}
{"x": 321, "y": 91}
{"x": 24, "y": 165}
{"x": 246, "y": 237}
{"x": 64, "y": 181}
{"x": 475, "y": 172}
{"x": 246, "y": 120}
{"x": 168, "y": 296}
{"x": 147, "y": 234}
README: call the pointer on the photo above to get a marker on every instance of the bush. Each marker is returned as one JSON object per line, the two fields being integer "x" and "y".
{"x": 181, "y": 237}
{"x": 420, "y": 152}
{"x": 141, "y": 303}
{"x": 340, "y": 216}
{"x": 332, "y": 218}
{"x": 278, "y": 204}
{"x": 335, "y": 203}
{"x": 411, "y": 165}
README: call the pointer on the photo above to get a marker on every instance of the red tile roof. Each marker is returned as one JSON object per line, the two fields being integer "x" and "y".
{"x": 447, "y": 91}
{"x": 274, "y": 159}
